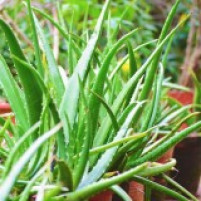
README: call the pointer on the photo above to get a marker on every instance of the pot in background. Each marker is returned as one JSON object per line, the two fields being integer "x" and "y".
{"x": 188, "y": 156}
{"x": 4, "y": 108}
{"x": 184, "y": 97}
{"x": 187, "y": 152}
{"x": 167, "y": 156}
{"x": 156, "y": 196}
{"x": 136, "y": 191}
{"x": 103, "y": 196}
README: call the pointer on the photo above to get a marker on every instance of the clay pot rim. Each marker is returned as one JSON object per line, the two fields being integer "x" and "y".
{"x": 5, "y": 105}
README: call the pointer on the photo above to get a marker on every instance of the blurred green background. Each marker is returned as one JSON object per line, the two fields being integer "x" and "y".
{"x": 80, "y": 17}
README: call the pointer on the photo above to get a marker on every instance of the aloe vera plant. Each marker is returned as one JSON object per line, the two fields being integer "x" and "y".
{"x": 75, "y": 131}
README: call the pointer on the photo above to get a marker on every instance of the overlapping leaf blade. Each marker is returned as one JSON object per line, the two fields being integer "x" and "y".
{"x": 70, "y": 100}
{"x": 30, "y": 86}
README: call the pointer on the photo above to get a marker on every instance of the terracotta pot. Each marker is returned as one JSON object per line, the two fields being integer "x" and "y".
{"x": 163, "y": 159}
{"x": 136, "y": 191}
{"x": 188, "y": 156}
{"x": 167, "y": 156}
{"x": 187, "y": 152}
{"x": 4, "y": 108}
{"x": 183, "y": 97}
{"x": 103, "y": 196}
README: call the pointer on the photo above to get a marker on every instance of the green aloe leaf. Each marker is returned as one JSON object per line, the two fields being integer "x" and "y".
{"x": 35, "y": 39}
{"x": 151, "y": 72}
{"x": 124, "y": 59}
{"x": 121, "y": 193}
{"x": 132, "y": 60}
{"x": 24, "y": 196}
{"x": 30, "y": 86}
{"x": 16, "y": 149}
{"x": 104, "y": 184}
{"x": 150, "y": 118}
{"x": 65, "y": 174}
{"x": 103, "y": 148}
{"x": 160, "y": 188}
{"x": 104, "y": 129}
{"x": 57, "y": 86}
{"x": 10, "y": 180}
{"x": 61, "y": 29}
{"x": 174, "y": 130}
{"x": 94, "y": 103}
{"x": 83, "y": 157}
{"x": 109, "y": 111}
{"x": 158, "y": 168}
{"x": 69, "y": 105}
{"x": 165, "y": 146}
{"x": 14, "y": 94}
{"x": 105, "y": 160}
{"x": 154, "y": 65}
{"x": 179, "y": 187}
{"x": 34, "y": 72}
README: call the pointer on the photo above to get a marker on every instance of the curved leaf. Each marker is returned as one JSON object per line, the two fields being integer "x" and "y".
{"x": 160, "y": 188}
{"x": 13, "y": 94}
{"x": 70, "y": 99}
{"x": 30, "y": 86}
{"x": 104, "y": 184}
{"x": 121, "y": 193}
{"x": 10, "y": 180}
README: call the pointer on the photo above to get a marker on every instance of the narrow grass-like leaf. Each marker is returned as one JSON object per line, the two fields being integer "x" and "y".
{"x": 70, "y": 49}
{"x": 55, "y": 77}
{"x": 14, "y": 95}
{"x": 174, "y": 114}
{"x": 109, "y": 111}
{"x": 129, "y": 85}
{"x": 35, "y": 39}
{"x": 124, "y": 59}
{"x": 121, "y": 193}
{"x": 69, "y": 105}
{"x": 150, "y": 118}
{"x": 179, "y": 187}
{"x": 175, "y": 86}
{"x": 103, "y": 184}
{"x": 160, "y": 188}
{"x": 17, "y": 147}
{"x": 94, "y": 104}
{"x": 83, "y": 158}
{"x": 105, "y": 160}
{"x": 25, "y": 193}
{"x": 31, "y": 88}
{"x": 61, "y": 29}
{"x": 10, "y": 180}
{"x": 117, "y": 142}
{"x": 165, "y": 146}
{"x": 151, "y": 72}
{"x": 65, "y": 176}
{"x": 174, "y": 130}
{"x": 158, "y": 168}
{"x": 165, "y": 56}
{"x": 132, "y": 60}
